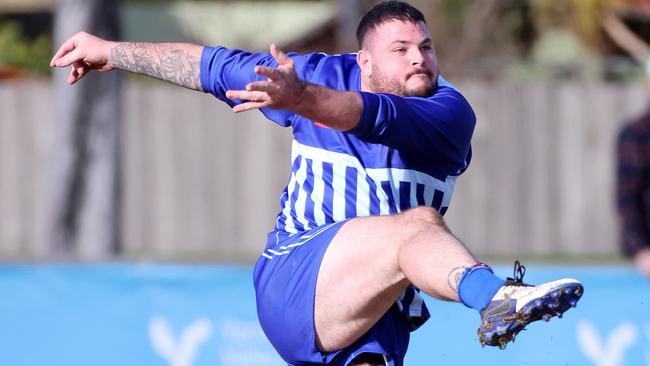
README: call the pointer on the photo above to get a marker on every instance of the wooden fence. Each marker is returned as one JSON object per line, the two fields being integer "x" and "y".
{"x": 542, "y": 177}
{"x": 201, "y": 182}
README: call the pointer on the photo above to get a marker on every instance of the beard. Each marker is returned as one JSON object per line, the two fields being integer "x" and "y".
{"x": 381, "y": 83}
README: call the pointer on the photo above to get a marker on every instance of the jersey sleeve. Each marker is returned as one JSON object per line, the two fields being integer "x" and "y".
{"x": 437, "y": 128}
{"x": 224, "y": 69}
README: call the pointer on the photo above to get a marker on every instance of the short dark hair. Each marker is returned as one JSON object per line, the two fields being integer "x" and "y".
{"x": 385, "y": 11}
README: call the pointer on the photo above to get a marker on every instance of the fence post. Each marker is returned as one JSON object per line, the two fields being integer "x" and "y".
{"x": 81, "y": 192}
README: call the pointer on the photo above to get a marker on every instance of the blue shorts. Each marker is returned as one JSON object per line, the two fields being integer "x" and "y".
{"x": 285, "y": 286}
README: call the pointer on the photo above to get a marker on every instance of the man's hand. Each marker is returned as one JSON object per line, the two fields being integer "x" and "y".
{"x": 84, "y": 52}
{"x": 642, "y": 261}
{"x": 281, "y": 90}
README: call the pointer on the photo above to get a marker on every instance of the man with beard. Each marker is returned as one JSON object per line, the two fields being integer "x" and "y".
{"x": 379, "y": 138}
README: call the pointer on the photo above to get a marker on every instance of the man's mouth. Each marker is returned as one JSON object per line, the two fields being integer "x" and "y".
{"x": 425, "y": 73}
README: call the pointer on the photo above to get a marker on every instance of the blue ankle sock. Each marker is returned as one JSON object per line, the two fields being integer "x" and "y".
{"x": 477, "y": 286}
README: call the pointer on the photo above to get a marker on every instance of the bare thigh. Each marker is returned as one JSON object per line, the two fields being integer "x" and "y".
{"x": 371, "y": 261}
{"x": 359, "y": 279}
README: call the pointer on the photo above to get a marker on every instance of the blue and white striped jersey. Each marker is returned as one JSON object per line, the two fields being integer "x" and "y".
{"x": 405, "y": 152}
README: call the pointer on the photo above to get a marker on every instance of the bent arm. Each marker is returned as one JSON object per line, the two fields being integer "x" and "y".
{"x": 281, "y": 89}
{"x": 340, "y": 110}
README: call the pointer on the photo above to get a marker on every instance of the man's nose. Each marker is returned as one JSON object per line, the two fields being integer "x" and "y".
{"x": 417, "y": 57}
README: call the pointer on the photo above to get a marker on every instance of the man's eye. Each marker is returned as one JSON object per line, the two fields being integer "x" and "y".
{"x": 399, "y": 50}
{"x": 426, "y": 48}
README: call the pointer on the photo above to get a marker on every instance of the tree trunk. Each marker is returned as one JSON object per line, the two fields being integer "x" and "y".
{"x": 81, "y": 195}
{"x": 349, "y": 13}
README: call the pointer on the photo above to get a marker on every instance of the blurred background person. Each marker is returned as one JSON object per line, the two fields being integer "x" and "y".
{"x": 633, "y": 187}
{"x": 633, "y": 141}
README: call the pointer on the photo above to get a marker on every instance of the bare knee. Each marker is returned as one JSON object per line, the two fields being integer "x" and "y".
{"x": 423, "y": 218}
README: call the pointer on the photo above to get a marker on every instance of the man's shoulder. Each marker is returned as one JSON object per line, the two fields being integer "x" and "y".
{"x": 448, "y": 94}
{"x": 445, "y": 86}
{"x": 340, "y": 71}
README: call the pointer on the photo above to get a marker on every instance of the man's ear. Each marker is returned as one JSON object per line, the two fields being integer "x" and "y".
{"x": 365, "y": 62}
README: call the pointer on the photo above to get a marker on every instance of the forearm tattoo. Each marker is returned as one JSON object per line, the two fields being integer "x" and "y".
{"x": 454, "y": 278}
{"x": 164, "y": 62}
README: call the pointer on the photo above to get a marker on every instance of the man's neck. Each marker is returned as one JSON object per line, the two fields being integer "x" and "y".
{"x": 365, "y": 85}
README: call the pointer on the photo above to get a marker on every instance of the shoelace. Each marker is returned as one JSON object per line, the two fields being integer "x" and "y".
{"x": 518, "y": 275}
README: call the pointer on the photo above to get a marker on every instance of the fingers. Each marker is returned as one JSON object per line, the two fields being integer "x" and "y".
{"x": 251, "y": 96}
{"x": 282, "y": 59}
{"x": 66, "y": 47}
{"x": 248, "y": 106}
{"x": 69, "y": 58}
{"x": 280, "y": 56}
{"x": 77, "y": 71}
{"x": 269, "y": 72}
{"x": 78, "y": 66}
{"x": 254, "y": 99}
{"x": 74, "y": 76}
{"x": 263, "y": 86}
{"x": 81, "y": 68}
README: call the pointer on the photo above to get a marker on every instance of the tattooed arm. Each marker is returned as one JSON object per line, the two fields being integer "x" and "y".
{"x": 176, "y": 63}
{"x": 173, "y": 62}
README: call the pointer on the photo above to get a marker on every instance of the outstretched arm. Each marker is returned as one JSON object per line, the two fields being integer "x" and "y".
{"x": 177, "y": 63}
